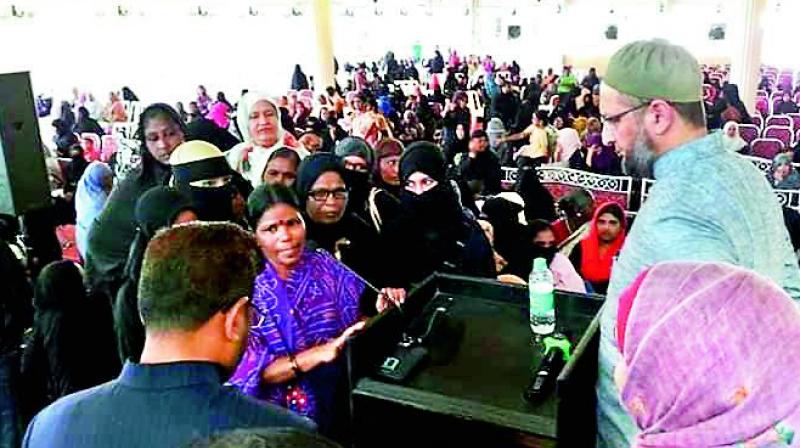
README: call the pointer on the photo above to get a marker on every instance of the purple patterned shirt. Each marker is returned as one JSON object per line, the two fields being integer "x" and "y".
{"x": 321, "y": 296}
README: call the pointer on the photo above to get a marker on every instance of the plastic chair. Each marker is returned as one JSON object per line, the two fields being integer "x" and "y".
{"x": 761, "y": 94}
{"x": 795, "y": 120}
{"x": 91, "y": 152}
{"x": 123, "y": 130}
{"x": 779, "y": 120}
{"x": 766, "y": 148}
{"x": 758, "y": 120}
{"x": 709, "y": 92}
{"x": 127, "y": 106}
{"x": 109, "y": 148}
{"x": 774, "y": 103}
{"x": 133, "y": 111}
{"x": 749, "y": 132}
{"x": 782, "y": 133}
{"x": 762, "y": 106}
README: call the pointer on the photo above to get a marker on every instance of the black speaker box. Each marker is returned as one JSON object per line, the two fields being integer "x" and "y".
{"x": 23, "y": 176}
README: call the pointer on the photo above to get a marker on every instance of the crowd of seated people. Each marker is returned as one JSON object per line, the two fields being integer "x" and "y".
{"x": 274, "y": 216}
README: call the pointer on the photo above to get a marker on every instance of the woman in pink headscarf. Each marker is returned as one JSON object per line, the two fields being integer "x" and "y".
{"x": 711, "y": 358}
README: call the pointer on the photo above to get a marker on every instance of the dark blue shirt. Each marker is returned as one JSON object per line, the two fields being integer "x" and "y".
{"x": 155, "y": 405}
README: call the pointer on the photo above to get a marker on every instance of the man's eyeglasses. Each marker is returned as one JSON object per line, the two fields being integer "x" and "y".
{"x": 614, "y": 119}
{"x": 322, "y": 195}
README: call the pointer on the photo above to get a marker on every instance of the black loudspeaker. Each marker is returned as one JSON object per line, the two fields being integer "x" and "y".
{"x": 23, "y": 176}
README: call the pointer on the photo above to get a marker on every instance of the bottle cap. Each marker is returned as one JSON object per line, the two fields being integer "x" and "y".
{"x": 539, "y": 264}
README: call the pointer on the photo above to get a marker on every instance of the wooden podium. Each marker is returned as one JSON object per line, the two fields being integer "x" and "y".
{"x": 469, "y": 393}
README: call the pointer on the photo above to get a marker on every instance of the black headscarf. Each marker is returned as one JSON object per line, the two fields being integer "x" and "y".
{"x": 538, "y": 201}
{"x": 360, "y": 254}
{"x": 85, "y": 123}
{"x": 456, "y": 146}
{"x": 311, "y": 168}
{"x": 159, "y": 207}
{"x": 16, "y": 313}
{"x": 434, "y": 232}
{"x": 128, "y": 95}
{"x": 211, "y": 203}
{"x": 75, "y": 169}
{"x": 357, "y": 182}
{"x": 59, "y": 286}
{"x": 299, "y": 80}
{"x": 155, "y": 210}
{"x": 114, "y": 229}
{"x": 67, "y": 116}
{"x": 731, "y": 94}
{"x": 439, "y": 207}
{"x": 424, "y": 157}
{"x": 510, "y": 236}
{"x": 70, "y": 348}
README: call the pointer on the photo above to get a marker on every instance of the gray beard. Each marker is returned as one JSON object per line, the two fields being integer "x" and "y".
{"x": 641, "y": 160}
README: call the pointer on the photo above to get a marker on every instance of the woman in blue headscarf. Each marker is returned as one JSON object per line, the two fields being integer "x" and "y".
{"x": 90, "y": 197}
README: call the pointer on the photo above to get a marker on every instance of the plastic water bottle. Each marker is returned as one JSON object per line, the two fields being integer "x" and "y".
{"x": 540, "y": 290}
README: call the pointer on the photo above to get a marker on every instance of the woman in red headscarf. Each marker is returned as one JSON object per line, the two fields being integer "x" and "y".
{"x": 595, "y": 254}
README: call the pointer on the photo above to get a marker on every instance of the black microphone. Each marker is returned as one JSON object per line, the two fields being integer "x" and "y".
{"x": 557, "y": 352}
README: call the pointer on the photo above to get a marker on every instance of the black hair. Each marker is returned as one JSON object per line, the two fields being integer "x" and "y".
{"x": 157, "y": 110}
{"x": 543, "y": 116}
{"x": 61, "y": 126}
{"x": 267, "y": 196}
{"x": 368, "y": 99}
{"x": 693, "y": 113}
{"x": 192, "y": 271}
{"x": 614, "y": 210}
{"x": 221, "y": 98}
{"x": 286, "y": 153}
{"x": 537, "y": 226}
{"x": 83, "y": 113}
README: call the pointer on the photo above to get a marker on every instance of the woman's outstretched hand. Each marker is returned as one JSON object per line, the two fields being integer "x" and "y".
{"x": 389, "y": 297}
{"x": 329, "y": 351}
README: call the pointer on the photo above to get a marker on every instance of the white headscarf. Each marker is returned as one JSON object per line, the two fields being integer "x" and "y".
{"x": 569, "y": 141}
{"x": 243, "y": 116}
{"x": 733, "y": 144}
{"x": 257, "y": 159}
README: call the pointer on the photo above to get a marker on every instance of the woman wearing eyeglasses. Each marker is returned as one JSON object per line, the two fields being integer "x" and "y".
{"x": 306, "y": 304}
{"x": 324, "y": 197}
